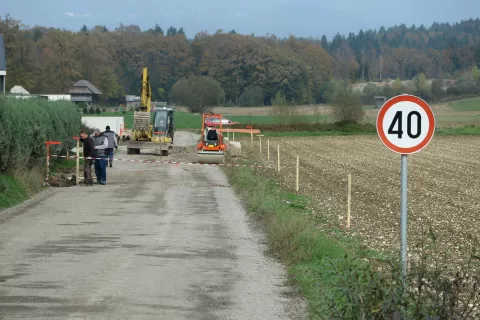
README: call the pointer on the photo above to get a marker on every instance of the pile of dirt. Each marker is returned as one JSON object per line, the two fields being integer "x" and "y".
{"x": 62, "y": 181}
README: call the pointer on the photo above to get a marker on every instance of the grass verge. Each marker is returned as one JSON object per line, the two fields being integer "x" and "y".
{"x": 19, "y": 186}
{"x": 340, "y": 278}
{"x": 292, "y": 233}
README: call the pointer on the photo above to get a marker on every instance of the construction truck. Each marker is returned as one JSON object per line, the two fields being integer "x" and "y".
{"x": 153, "y": 128}
{"x": 211, "y": 148}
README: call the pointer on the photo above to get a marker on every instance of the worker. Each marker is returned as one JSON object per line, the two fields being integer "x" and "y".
{"x": 87, "y": 142}
{"x": 112, "y": 143}
{"x": 100, "y": 144}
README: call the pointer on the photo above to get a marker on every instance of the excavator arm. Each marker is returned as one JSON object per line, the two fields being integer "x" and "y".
{"x": 146, "y": 92}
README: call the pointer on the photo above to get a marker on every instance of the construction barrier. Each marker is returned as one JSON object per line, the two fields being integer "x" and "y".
{"x": 164, "y": 162}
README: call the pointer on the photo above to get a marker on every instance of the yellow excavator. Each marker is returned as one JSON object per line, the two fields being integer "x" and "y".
{"x": 153, "y": 128}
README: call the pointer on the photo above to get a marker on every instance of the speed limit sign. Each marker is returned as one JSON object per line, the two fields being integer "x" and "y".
{"x": 405, "y": 124}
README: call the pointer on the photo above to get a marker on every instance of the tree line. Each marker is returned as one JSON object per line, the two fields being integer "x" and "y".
{"x": 250, "y": 70}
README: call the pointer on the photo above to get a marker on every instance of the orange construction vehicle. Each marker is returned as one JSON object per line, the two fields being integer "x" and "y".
{"x": 211, "y": 148}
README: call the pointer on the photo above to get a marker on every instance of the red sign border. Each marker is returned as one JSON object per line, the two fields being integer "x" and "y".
{"x": 405, "y": 98}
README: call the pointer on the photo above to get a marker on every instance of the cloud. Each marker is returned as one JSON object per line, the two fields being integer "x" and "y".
{"x": 75, "y": 15}
{"x": 242, "y": 14}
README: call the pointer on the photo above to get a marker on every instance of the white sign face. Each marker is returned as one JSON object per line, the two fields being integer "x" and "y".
{"x": 405, "y": 124}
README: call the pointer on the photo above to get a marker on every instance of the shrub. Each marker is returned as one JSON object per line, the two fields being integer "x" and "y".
{"x": 27, "y": 124}
{"x": 346, "y": 105}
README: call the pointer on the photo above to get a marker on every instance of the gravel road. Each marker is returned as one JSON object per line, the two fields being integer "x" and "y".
{"x": 157, "y": 242}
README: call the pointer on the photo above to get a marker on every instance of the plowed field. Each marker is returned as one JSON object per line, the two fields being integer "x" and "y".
{"x": 443, "y": 186}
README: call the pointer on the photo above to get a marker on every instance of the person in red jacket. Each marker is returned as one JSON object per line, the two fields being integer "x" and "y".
{"x": 88, "y": 151}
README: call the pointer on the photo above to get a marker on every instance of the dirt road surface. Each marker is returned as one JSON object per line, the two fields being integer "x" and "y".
{"x": 157, "y": 242}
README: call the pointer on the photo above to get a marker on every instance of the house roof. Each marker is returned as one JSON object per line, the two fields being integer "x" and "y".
{"x": 85, "y": 84}
{"x": 3, "y": 60}
{"x": 19, "y": 90}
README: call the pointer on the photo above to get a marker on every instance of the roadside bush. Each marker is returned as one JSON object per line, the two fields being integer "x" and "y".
{"x": 353, "y": 288}
{"x": 27, "y": 124}
{"x": 346, "y": 105}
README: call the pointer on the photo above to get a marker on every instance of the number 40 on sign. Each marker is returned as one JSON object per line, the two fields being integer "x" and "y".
{"x": 405, "y": 125}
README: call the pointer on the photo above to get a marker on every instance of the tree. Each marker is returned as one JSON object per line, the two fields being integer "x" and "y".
{"x": 45, "y": 59}
{"x": 198, "y": 93}
{"x": 437, "y": 88}
{"x": 397, "y": 87}
{"x": 252, "y": 97}
{"x": 161, "y": 94}
{"x": 346, "y": 105}
{"x": 422, "y": 87}
{"x": 368, "y": 93}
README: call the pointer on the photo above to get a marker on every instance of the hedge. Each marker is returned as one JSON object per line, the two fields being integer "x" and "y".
{"x": 25, "y": 125}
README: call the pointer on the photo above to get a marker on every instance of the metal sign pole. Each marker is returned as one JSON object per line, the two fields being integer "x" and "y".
{"x": 403, "y": 214}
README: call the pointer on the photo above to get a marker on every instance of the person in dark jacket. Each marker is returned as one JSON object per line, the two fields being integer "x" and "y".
{"x": 112, "y": 143}
{"x": 88, "y": 150}
{"x": 100, "y": 144}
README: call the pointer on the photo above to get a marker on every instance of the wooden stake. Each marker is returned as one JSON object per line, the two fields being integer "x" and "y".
{"x": 48, "y": 163}
{"x": 268, "y": 149}
{"x": 260, "y": 141}
{"x": 78, "y": 161}
{"x": 233, "y": 136}
{"x": 278, "y": 158}
{"x": 251, "y": 136}
{"x": 298, "y": 170}
{"x": 349, "y": 201}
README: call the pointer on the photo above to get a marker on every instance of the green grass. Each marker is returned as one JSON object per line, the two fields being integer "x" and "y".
{"x": 472, "y": 104}
{"x": 19, "y": 186}
{"x": 292, "y": 234}
{"x": 467, "y": 130}
{"x": 12, "y": 191}
{"x": 185, "y": 120}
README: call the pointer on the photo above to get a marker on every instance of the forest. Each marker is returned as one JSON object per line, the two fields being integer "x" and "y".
{"x": 251, "y": 70}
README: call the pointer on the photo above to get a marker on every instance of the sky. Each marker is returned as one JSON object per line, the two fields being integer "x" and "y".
{"x": 306, "y": 18}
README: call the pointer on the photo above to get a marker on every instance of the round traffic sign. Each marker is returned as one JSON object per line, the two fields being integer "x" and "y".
{"x": 405, "y": 124}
